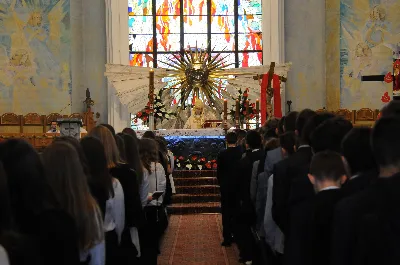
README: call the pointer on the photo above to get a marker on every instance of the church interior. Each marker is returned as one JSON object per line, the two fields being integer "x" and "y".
{"x": 199, "y": 132}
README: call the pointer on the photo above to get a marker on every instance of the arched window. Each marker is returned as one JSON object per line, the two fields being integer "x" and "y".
{"x": 158, "y": 28}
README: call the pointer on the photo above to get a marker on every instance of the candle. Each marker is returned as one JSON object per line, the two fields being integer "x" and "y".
{"x": 257, "y": 106}
{"x": 151, "y": 77}
{"x": 225, "y": 109}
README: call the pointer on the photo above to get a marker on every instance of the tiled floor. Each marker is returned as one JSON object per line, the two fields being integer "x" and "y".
{"x": 195, "y": 239}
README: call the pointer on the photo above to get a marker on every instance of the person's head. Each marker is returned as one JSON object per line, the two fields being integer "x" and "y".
{"x": 69, "y": 184}
{"x": 329, "y": 134}
{"x": 385, "y": 147}
{"x": 30, "y": 192}
{"x": 162, "y": 144}
{"x": 289, "y": 124}
{"x": 130, "y": 132}
{"x": 288, "y": 143}
{"x": 269, "y": 134}
{"x": 110, "y": 146}
{"x": 149, "y": 135}
{"x": 280, "y": 129}
{"x": 391, "y": 109}
{"x": 312, "y": 124}
{"x": 121, "y": 146}
{"x": 356, "y": 148}
{"x": 132, "y": 155}
{"x": 327, "y": 168}
{"x": 271, "y": 124}
{"x": 302, "y": 119}
{"x": 53, "y": 126}
{"x": 148, "y": 150}
{"x": 231, "y": 138}
{"x": 241, "y": 136}
{"x": 271, "y": 144}
{"x": 109, "y": 127}
{"x": 100, "y": 181}
{"x": 82, "y": 157}
{"x": 198, "y": 107}
{"x": 253, "y": 140}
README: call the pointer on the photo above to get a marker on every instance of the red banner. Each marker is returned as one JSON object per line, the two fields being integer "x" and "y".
{"x": 277, "y": 97}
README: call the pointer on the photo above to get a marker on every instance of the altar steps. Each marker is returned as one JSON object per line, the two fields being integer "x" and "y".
{"x": 197, "y": 192}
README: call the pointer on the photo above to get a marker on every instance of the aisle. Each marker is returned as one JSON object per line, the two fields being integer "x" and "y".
{"x": 195, "y": 239}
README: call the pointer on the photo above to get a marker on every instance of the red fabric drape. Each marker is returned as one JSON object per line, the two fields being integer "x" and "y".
{"x": 277, "y": 97}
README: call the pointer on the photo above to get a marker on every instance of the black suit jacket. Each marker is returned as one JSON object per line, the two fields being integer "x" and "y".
{"x": 227, "y": 167}
{"x": 360, "y": 183}
{"x": 285, "y": 172}
{"x": 310, "y": 230}
{"x": 354, "y": 239}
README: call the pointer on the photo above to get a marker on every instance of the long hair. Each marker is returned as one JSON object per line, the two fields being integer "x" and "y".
{"x": 121, "y": 146}
{"x": 100, "y": 181}
{"x": 68, "y": 181}
{"x": 30, "y": 193}
{"x": 82, "y": 157}
{"x": 148, "y": 151}
{"x": 131, "y": 132}
{"x": 5, "y": 204}
{"x": 110, "y": 146}
{"x": 132, "y": 155}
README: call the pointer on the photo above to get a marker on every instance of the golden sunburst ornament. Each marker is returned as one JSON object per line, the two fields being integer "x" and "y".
{"x": 197, "y": 74}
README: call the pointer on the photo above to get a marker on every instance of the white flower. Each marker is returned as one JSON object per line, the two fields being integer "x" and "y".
{"x": 200, "y": 167}
{"x": 178, "y": 165}
{"x": 163, "y": 109}
{"x": 167, "y": 116}
{"x": 189, "y": 166}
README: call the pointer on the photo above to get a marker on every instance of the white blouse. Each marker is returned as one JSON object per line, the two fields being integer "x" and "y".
{"x": 115, "y": 211}
{"x": 3, "y": 256}
{"x": 157, "y": 182}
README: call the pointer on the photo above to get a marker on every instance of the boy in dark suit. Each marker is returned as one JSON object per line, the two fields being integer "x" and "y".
{"x": 227, "y": 165}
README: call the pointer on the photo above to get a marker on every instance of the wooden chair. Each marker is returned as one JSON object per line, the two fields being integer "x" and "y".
{"x": 347, "y": 114}
{"x": 11, "y": 123}
{"x": 33, "y": 123}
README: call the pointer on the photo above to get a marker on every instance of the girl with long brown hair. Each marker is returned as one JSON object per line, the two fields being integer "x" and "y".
{"x": 130, "y": 247}
{"x": 68, "y": 181}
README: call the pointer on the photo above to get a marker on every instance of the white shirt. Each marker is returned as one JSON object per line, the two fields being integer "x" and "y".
{"x": 3, "y": 257}
{"x": 114, "y": 217}
{"x": 329, "y": 188}
{"x": 157, "y": 182}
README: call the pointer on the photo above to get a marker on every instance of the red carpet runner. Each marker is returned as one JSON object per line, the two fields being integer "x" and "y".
{"x": 196, "y": 239}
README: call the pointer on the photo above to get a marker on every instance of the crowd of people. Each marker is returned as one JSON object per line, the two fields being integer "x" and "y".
{"x": 97, "y": 201}
{"x": 311, "y": 189}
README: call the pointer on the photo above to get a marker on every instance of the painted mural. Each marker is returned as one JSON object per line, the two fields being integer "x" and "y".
{"x": 35, "y": 53}
{"x": 370, "y": 37}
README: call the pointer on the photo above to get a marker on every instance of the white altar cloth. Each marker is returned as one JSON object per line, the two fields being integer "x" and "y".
{"x": 186, "y": 132}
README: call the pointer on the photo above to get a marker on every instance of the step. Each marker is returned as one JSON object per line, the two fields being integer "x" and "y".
{"x": 197, "y": 189}
{"x": 194, "y": 173}
{"x": 198, "y": 198}
{"x": 195, "y": 181}
{"x": 194, "y": 208}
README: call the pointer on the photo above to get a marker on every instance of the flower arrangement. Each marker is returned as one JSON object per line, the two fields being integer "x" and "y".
{"x": 194, "y": 162}
{"x": 161, "y": 112}
{"x": 242, "y": 97}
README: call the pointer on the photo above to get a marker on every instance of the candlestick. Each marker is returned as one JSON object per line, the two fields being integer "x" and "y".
{"x": 257, "y": 113}
{"x": 247, "y": 114}
{"x": 237, "y": 114}
{"x": 225, "y": 115}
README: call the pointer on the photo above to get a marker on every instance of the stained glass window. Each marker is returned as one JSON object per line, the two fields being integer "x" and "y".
{"x": 158, "y": 28}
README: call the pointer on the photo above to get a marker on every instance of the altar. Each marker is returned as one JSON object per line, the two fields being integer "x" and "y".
{"x": 194, "y": 149}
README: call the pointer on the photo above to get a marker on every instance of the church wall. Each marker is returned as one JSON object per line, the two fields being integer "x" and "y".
{"x": 305, "y": 48}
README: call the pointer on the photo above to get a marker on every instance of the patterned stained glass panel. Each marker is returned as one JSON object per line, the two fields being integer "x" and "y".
{"x": 193, "y": 40}
{"x": 140, "y": 25}
{"x": 139, "y": 59}
{"x": 141, "y": 43}
{"x": 229, "y": 59}
{"x": 250, "y": 41}
{"x": 247, "y": 59}
{"x": 220, "y": 42}
{"x": 167, "y": 7}
{"x": 249, "y": 23}
{"x": 195, "y": 24}
{"x": 222, "y": 7}
{"x": 250, "y": 7}
{"x": 195, "y": 7}
{"x": 223, "y": 24}
{"x": 140, "y": 7}
{"x": 162, "y": 58}
{"x": 168, "y": 42}
{"x": 168, "y": 24}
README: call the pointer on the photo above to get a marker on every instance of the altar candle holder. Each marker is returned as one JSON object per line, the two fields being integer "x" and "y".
{"x": 237, "y": 124}
{"x": 225, "y": 115}
{"x": 258, "y": 113}
{"x": 247, "y": 115}
{"x": 151, "y": 100}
